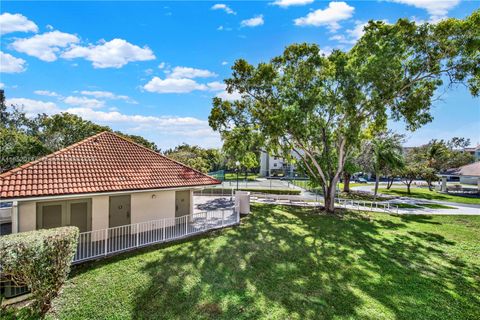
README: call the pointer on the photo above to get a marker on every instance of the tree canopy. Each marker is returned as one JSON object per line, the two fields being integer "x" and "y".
{"x": 321, "y": 107}
{"x": 24, "y": 139}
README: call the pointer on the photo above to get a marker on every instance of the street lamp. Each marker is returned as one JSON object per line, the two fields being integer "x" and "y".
{"x": 237, "y": 164}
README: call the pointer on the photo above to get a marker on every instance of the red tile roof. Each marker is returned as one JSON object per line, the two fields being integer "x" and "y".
{"x": 102, "y": 163}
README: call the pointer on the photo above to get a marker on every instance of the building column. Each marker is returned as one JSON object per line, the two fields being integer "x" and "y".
{"x": 15, "y": 217}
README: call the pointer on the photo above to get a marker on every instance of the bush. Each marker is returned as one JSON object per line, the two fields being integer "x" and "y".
{"x": 222, "y": 191}
{"x": 40, "y": 260}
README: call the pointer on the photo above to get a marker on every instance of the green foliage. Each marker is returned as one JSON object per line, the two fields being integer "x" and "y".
{"x": 269, "y": 191}
{"x": 439, "y": 155}
{"x": 39, "y": 259}
{"x": 64, "y": 129}
{"x": 139, "y": 140}
{"x": 243, "y": 145}
{"x": 24, "y": 139}
{"x": 17, "y": 148}
{"x": 196, "y": 157}
{"x": 322, "y": 106}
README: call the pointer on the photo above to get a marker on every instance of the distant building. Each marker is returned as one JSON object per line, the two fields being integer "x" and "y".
{"x": 467, "y": 174}
{"x": 276, "y": 166}
{"x": 474, "y": 151}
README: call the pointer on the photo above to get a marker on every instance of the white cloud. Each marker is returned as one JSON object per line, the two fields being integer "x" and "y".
{"x": 235, "y": 95}
{"x": 10, "y": 64}
{"x": 173, "y": 85}
{"x": 161, "y": 65}
{"x": 190, "y": 73}
{"x": 84, "y": 102}
{"x": 224, "y": 63}
{"x": 253, "y": 22}
{"x": 16, "y": 23}
{"x": 33, "y": 107}
{"x": 335, "y": 12}
{"x": 437, "y": 9}
{"x": 216, "y": 86}
{"x": 112, "y": 54}
{"x": 352, "y": 35}
{"x": 224, "y": 7}
{"x": 2, "y": 85}
{"x": 108, "y": 95}
{"x": 45, "y": 46}
{"x": 160, "y": 129}
{"x": 288, "y": 3}
{"x": 326, "y": 50}
{"x": 46, "y": 93}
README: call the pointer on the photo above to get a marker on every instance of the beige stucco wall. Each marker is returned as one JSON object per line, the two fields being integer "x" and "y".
{"x": 100, "y": 212}
{"x": 147, "y": 206}
{"x": 27, "y": 216}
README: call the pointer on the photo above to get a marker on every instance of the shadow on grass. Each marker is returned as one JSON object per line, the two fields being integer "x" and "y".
{"x": 296, "y": 263}
{"x": 304, "y": 265}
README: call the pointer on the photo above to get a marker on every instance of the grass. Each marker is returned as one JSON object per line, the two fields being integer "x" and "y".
{"x": 291, "y": 263}
{"x": 424, "y": 193}
{"x": 423, "y": 205}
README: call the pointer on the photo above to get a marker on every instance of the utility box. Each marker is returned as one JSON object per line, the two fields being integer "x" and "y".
{"x": 242, "y": 202}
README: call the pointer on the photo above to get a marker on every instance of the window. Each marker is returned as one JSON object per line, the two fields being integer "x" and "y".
{"x": 274, "y": 164}
{"x": 55, "y": 214}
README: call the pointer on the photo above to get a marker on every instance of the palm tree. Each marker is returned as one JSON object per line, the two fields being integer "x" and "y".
{"x": 387, "y": 154}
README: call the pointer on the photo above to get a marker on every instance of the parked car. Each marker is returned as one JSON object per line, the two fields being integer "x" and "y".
{"x": 361, "y": 180}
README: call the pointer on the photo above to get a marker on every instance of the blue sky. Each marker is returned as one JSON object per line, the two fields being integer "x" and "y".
{"x": 152, "y": 68}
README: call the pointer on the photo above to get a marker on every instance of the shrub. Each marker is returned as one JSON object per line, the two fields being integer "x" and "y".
{"x": 40, "y": 260}
{"x": 220, "y": 191}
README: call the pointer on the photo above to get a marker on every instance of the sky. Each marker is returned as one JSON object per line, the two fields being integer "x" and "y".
{"x": 152, "y": 68}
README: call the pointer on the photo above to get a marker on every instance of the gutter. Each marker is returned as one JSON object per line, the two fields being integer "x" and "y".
{"x": 107, "y": 193}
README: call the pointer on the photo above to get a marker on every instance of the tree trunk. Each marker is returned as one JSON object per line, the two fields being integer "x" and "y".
{"x": 346, "y": 182}
{"x": 246, "y": 174}
{"x": 377, "y": 181}
{"x": 329, "y": 197}
{"x": 429, "y": 182}
{"x": 408, "y": 187}
{"x": 390, "y": 182}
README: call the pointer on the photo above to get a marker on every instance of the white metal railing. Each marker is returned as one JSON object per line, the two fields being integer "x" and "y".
{"x": 362, "y": 205}
{"x": 99, "y": 243}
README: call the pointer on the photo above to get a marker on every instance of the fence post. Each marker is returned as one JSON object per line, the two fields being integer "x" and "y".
{"x": 163, "y": 233}
{"x": 186, "y": 225}
{"x": 136, "y": 229}
{"x": 106, "y": 241}
{"x": 223, "y": 216}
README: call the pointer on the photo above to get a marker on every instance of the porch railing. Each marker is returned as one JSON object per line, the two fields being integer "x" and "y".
{"x": 99, "y": 243}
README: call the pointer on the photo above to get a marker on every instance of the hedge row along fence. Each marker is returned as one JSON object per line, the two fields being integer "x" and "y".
{"x": 39, "y": 260}
{"x": 223, "y": 191}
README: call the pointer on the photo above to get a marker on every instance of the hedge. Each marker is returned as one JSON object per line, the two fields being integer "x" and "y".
{"x": 216, "y": 191}
{"x": 39, "y": 260}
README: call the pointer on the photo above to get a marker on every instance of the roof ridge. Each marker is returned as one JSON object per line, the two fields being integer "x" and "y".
{"x": 48, "y": 156}
{"x": 159, "y": 154}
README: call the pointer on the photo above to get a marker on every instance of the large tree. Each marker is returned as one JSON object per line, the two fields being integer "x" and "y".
{"x": 319, "y": 106}
{"x": 201, "y": 159}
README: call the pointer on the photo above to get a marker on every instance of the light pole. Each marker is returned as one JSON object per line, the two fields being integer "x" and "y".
{"x": 237, "y": 164}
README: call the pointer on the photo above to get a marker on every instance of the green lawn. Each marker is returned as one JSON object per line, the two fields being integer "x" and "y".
{"x": 424, "y": 193}
{"x": 292, "y": 263}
